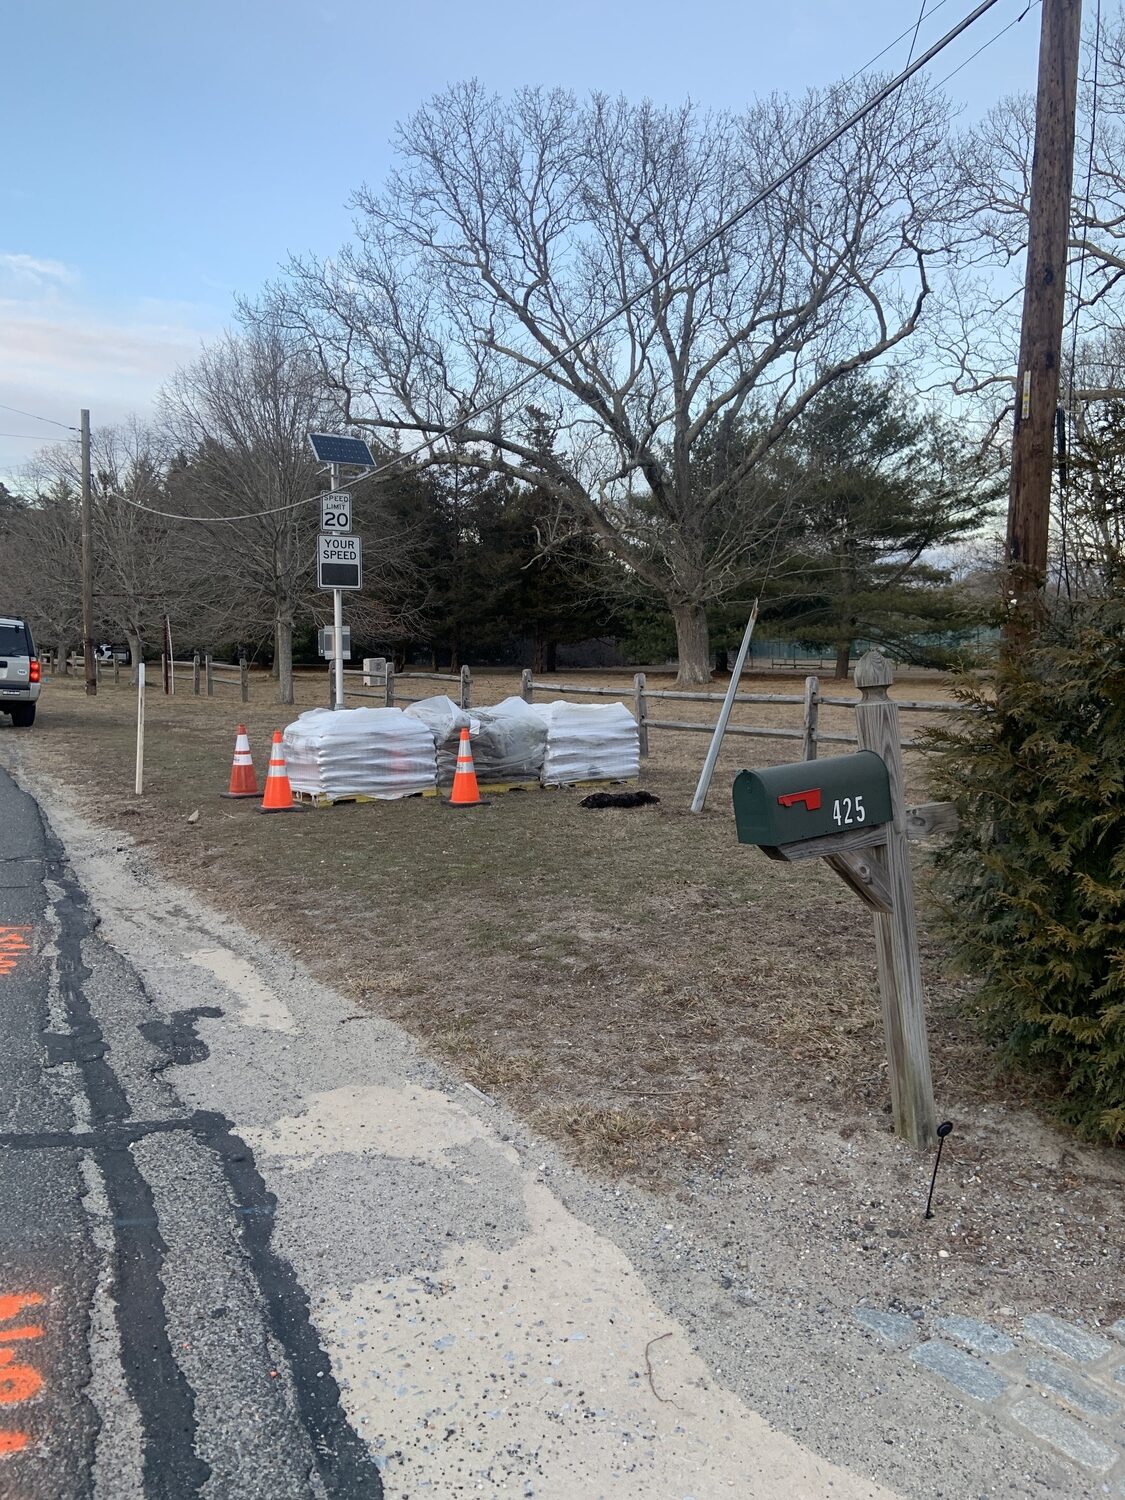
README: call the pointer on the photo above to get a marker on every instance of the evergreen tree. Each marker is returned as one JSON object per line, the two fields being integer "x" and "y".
{"x": 880, "y": 489}
{"x": 1034, "y": 879}
{"x": 549, "y": 596}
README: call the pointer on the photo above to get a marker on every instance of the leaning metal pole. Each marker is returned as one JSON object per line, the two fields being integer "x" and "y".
{"x": 700, "y": 798}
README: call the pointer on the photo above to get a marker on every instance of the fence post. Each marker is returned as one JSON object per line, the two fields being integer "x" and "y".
{"x": 243, "y": 679}
{"x": 466, "y": 688}
{"x": 527, "y": 684}
{"x": 209, "y": 675}
{"x": 812, "y": 715}
{"x": 195, "y": 673}
{"x": 390, "y": 684}
{"x": 896, "y": 932}
{"x": 640, "y": 709}
{"x": 116, "y": 669}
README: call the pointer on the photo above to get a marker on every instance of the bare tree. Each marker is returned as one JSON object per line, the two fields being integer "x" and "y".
{"x": 512, "y": 227}
{"x": 242, "y": 414}
{"x": 143, "y": 567}
{"x": 146, "y": 565}
{"x": 983, "y": 341}
{"x": 40, "y": 560}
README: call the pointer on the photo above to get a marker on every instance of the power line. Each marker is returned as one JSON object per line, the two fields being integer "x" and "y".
{"x": 880, "y": 96}
{"x": 890, "y": 45}
{"x": 30, "y": 437}
{"x": 34, "y": 417}
{"x": 985, "y": 45}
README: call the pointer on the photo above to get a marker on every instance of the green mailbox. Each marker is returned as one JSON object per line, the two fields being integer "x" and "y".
{"x": 812, "y": 799}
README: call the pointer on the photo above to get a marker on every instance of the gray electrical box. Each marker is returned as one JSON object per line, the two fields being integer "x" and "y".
{"x": 325, "y": 639}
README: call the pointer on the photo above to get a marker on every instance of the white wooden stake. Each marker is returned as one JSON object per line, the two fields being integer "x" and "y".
{"x": 139, "y": 787}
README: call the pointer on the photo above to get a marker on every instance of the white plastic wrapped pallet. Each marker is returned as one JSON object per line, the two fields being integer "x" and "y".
{"x": 589, "y": 742}
{"x": 359, "y": 752}
{"x": 508, "y": 740}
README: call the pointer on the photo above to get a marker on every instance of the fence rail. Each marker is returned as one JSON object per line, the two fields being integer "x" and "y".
{"x": 211, "y": 666}
{"x": 378, "y": 682}
{"x": 207, "y": 674}
{"x": 381, "y": 683}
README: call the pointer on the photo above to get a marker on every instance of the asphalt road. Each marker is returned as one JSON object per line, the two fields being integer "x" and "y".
{"x": 152, "y": 1342}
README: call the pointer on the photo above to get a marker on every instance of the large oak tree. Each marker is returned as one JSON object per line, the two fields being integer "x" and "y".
{"x": 511, "y": 227}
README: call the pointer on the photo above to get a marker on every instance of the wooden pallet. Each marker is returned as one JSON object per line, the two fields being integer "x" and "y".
{"x": 486, "y": 788}
{"x": 321, "y": 799}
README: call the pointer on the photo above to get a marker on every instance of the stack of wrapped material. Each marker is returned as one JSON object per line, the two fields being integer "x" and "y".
{"x": 359, "y": 752}
{"x": 595, "y": 742}
{"x": 508, "y": 741}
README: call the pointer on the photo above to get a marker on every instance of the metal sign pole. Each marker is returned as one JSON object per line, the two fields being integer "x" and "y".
{"x": 337, "y": 618}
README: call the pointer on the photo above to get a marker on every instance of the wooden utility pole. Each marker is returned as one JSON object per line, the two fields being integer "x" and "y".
{"x": 1037, "y": 380}
{"x": 91, "y": 666}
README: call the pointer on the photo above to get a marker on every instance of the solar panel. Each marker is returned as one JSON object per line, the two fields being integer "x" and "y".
{"x": 331, "y": 449}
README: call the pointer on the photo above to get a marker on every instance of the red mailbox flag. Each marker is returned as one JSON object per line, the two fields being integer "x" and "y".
{"x": 811, "y": 799}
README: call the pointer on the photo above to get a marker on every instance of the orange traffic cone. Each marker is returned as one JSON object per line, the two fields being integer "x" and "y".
{"x": 465, "y": 791}
{"x": 279, "y": 794}
{"x": 243, "y": 782}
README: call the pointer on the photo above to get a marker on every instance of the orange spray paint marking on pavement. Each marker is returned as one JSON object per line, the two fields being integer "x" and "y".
{"x": 11, "y": 1306}
{"x": 18, "y": 1382}
{"x": 15, "y": 943}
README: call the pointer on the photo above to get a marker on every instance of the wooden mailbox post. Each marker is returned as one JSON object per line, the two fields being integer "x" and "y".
{"x": 896, "y": 929}
{"x": 786, "y": 810}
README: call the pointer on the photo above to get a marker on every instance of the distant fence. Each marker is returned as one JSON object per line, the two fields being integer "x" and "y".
{"x": 380, "y": 683}
{"x": 207, "y": 674}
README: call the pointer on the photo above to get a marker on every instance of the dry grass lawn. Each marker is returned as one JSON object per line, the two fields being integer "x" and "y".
{"x": 668, "y": 1005}
{"x": 624, "y": 978}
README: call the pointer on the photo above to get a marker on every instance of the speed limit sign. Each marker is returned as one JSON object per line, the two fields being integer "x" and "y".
{"x": 335, "y": 512}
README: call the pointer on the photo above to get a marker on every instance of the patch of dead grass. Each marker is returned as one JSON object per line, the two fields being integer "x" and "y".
{"x": 569, "y": 960}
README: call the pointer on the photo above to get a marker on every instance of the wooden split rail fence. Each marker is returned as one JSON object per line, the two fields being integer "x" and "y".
{"x": 380, "y": 682}
{"x": 207, "y": 674}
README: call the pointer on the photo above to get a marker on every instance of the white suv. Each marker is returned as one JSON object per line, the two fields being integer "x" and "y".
{"x": 20, "y": 676}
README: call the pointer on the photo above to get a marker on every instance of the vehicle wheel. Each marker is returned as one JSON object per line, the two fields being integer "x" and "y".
{"x": 23, "y": 715}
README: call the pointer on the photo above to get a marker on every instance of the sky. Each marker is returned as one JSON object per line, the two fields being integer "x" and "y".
{"x": 160, "y": 159}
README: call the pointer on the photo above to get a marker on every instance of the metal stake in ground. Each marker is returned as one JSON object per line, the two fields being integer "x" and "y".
{"x": 699, "y": 800}
{"x": 944, "y": 1129}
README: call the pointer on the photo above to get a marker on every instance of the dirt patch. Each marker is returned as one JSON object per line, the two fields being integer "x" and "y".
{"x": 672, "y": 1006}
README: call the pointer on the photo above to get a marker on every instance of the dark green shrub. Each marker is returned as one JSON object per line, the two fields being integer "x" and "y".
{"x": 1033, "y": 886}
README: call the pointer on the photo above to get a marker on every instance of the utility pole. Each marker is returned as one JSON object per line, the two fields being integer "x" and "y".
{"x": 91, "y": 666}
{"x": 1037, "y": 380}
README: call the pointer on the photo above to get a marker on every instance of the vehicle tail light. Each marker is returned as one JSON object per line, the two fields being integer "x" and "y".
{"x": 34, "y": 670}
